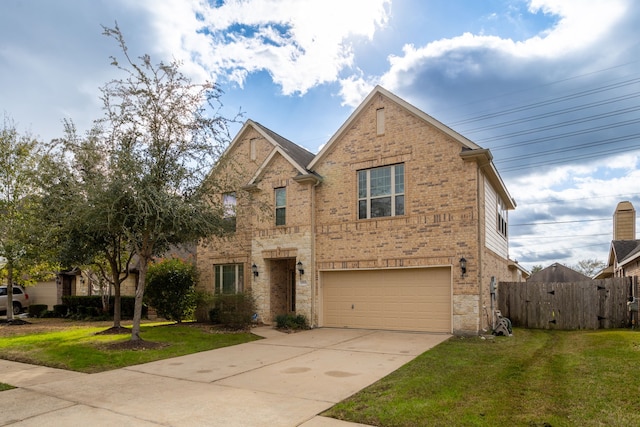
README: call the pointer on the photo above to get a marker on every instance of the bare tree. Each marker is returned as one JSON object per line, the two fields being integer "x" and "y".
{"x": 589, "y": 267}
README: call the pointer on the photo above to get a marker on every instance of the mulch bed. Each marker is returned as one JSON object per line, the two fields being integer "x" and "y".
{"x": 14, "y": 322}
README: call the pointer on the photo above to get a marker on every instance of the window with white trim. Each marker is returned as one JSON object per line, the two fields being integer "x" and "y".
{"x": 281, "y": 205}
{"x": 381, "y": 192}
{"x": 501, "y": 218}
{"x": 228, "y": 278}
{"x": 229, "y": 210}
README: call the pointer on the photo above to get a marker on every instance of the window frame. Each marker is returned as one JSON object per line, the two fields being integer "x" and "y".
{"x": 218, "y": 278}
{"x": 502, "y": 223}
{"x": 229, "y": 210}
{"x": 396, "y": 191}
{"x": 280, "y": 220}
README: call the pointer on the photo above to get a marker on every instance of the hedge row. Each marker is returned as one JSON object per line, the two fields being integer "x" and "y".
{"x": 81, "y": 305}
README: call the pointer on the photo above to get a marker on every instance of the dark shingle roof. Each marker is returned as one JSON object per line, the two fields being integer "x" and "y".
{"x": 625, "y": 248}
{"x": 557, "y": 273}
{"x": 296, "y": 152}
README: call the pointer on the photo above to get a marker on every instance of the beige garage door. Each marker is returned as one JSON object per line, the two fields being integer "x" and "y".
{"x": 415, "y": 299}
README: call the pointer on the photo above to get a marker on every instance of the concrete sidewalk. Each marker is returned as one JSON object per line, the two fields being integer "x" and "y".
{"x": 282, "y": 380}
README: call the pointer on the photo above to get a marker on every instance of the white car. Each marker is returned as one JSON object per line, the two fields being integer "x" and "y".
{"x": 20, "y": 299}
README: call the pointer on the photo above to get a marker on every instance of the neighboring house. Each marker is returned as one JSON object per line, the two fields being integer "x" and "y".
{"x": 74, "y": 282}
{"x": 624, "y": 252}
{"x": 398, "y": 223}
{"x": 518, "y": 272}
{"x": 558, "y": 273}
{"x": 80, "y": 282}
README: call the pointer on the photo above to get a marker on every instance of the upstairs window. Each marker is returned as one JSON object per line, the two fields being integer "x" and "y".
{"x": 501, "y": 218}
{"x": 381, "y": 192}
{"x": 228, "y": 278}
{"x": 281, "y": 205}
{"x": 229, "y": 210}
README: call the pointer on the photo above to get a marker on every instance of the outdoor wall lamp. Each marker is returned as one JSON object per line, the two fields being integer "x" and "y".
{"x": 463, "y": 266}
{"x": 254, "y": 270}
{"x": 300, "y": 267}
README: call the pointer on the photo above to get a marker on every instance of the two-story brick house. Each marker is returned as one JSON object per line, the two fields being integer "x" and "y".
{"x": 397, "y": 223}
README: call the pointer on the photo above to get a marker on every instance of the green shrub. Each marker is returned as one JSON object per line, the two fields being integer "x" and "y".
{"x": 60, "y": 310}
{"x": 214, "y": 316}
{"x": 233, "y": 311}
{"x": 170, "y": 289}
{"x": 73, "y": 302}
{"x": 292, "y": 321}
{"x": 76, "y": 301}
{"x": 49, "y": 314}
{"x": 204, "y": 305}
{"x": 36, "y": 310}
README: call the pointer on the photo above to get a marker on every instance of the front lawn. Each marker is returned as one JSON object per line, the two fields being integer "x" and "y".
{"x": 78, "y": 348}
{"x": 535, "y": 378}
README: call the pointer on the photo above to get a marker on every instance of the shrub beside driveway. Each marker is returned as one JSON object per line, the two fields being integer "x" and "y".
{"x": 535, "y": 378}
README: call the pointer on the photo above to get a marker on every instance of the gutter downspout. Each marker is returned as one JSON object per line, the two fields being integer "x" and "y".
{"x": 481, "y": 218}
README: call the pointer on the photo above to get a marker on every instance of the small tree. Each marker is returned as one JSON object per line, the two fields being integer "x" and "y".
{"x": 170, "y": 289}
{"x": 589, "y": 267}
{"x": 536, "y": 268}
{"x": 84, "y": 205}
{"x": 21, "y": 228}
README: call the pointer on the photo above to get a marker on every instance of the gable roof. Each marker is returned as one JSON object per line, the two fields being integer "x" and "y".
{"x": 379, "y": 90}
{"x": 294, "y": 153}
{"x": 557, "y": 273}
{"x": 297, "y": 153}
{"x": 471, "y": 151}
{"x": 624, "y": 250}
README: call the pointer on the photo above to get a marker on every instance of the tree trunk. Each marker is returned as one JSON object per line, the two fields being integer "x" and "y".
{"x": 145, "y": 258}
{"x": 117, "y": 305}
{"x": 9, "y": 291}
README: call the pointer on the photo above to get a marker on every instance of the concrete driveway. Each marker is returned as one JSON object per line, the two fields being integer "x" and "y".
{"x": 282, "y": 380}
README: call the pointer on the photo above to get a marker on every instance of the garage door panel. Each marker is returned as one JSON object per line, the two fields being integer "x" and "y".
{"x": 407, "y": 299}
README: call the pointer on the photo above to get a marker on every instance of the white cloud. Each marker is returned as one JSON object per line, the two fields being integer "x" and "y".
{"x": 580, "y": 26}
{"x": 300, "y": 44}
{"x": 571, "y": 207}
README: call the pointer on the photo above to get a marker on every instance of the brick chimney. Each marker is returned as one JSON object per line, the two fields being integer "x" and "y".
{"x": 624, "y": 222}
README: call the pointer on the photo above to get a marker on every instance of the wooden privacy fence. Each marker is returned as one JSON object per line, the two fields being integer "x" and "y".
{"x": 593, "y": 304}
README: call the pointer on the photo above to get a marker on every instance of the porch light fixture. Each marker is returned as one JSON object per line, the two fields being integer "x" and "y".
{"x": 254, "y": 270}
{"x": 300, "y": 267}
{"x": 463, "y": 266}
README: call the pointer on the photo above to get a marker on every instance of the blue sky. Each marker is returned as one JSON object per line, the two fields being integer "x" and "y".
{"x": 552, "y": 87}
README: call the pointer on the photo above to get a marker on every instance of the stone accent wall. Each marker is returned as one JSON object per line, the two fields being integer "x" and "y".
{"x": 257, "y": 239}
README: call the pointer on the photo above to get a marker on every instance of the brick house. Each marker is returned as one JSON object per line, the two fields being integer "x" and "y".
{"x": 397, "y": 223}
{"x": 624, "y": 252}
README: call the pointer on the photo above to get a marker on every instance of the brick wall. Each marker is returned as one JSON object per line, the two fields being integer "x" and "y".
{"x": 441, "y": 218}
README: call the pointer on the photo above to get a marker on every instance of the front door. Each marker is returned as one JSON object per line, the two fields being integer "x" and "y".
{"x": 283, "y": 286}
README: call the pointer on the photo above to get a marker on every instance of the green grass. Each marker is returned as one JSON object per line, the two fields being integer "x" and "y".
{"x": 80, "y": 349}
{"x": 535, "y": 378}
{"x": 4, "y": 387}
